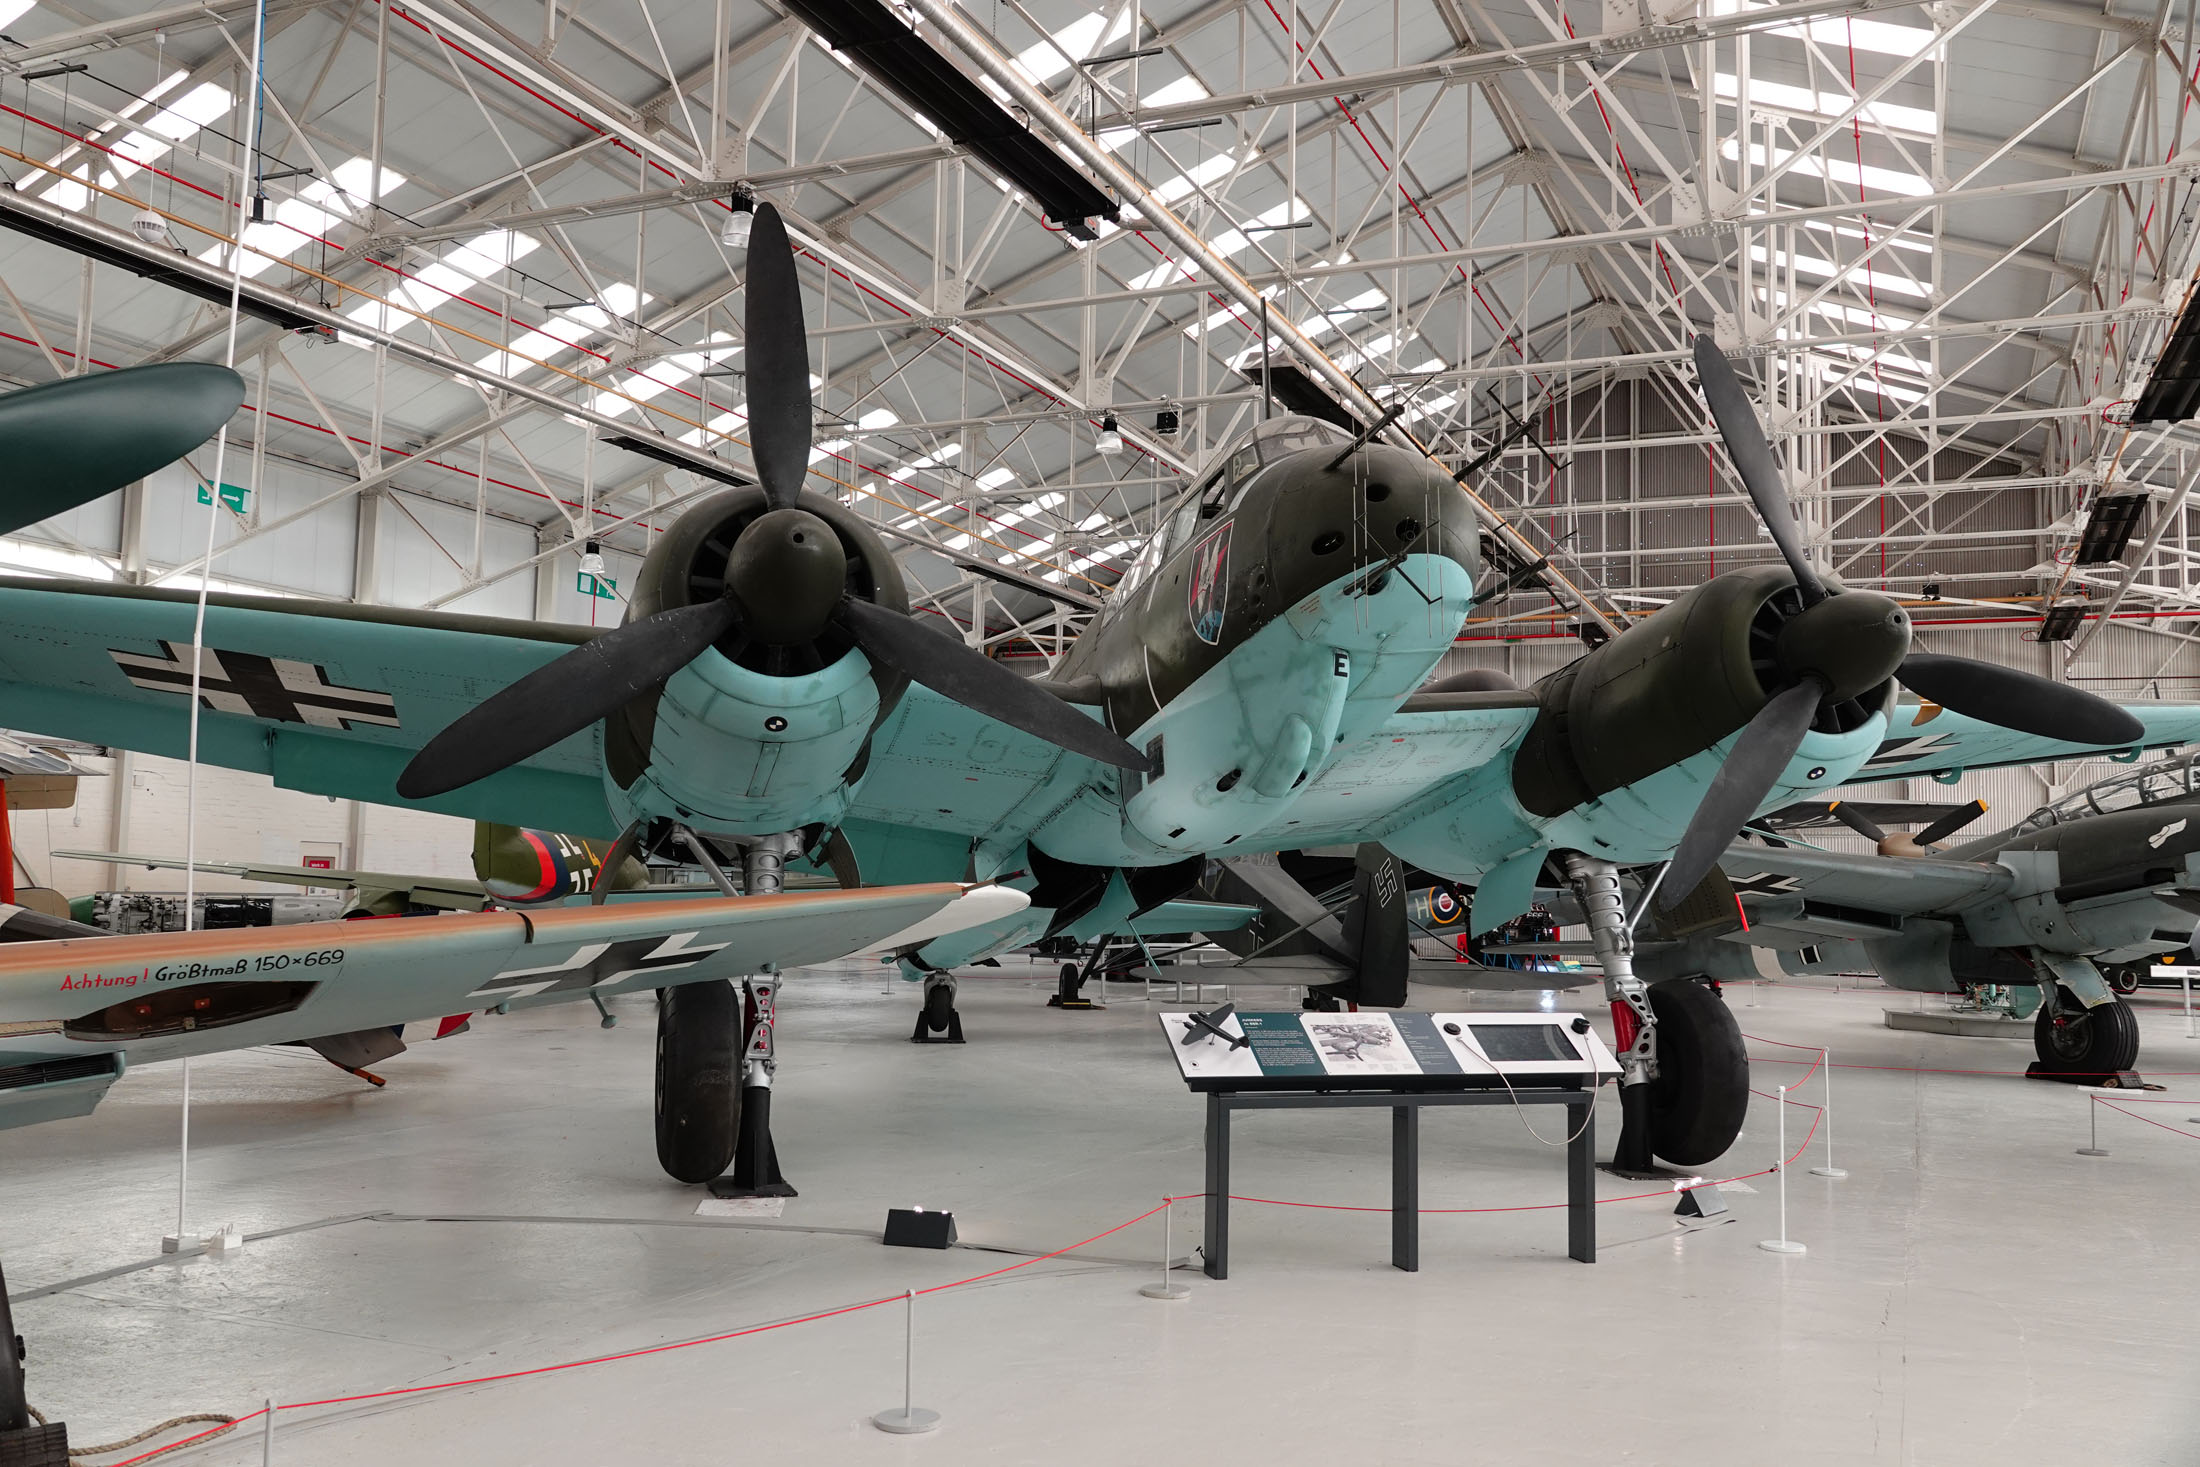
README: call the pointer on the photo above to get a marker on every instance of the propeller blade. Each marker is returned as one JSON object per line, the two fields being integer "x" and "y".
{"x": 67, "y": 443}
{"x": 1856, "y": 821}
{"x": 1950, "y": 823}
{"x": 776, "y": 356}
{"x": 561, "y": 698}
{"x": 1758, "y": 759}
{"x": 980, "y": 684}
{"x": 2022, "y": 701}
{"x": 1751, "y": 452}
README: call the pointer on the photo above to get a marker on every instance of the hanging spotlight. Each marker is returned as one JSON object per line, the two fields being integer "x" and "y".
{"x": 259, "y": 207}
{"x": 1110, "y": 441}
{"x": 736, "y": 233}
{"x": 591, "y": 558}
{"x": 150, "y": 227}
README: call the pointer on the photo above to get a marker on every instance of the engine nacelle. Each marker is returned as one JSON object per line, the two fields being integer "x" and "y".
{"x": 751, "y": 737}
{"x": 1666, "y": 689}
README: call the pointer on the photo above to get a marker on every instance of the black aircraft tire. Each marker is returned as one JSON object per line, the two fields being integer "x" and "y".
{"x": 2124, "y": 980}
{"x": 939, "y": 1004}
{"x": 1701, "y": 1092}
{"x": 2097, "y": 1042}
{"x": 14, "y": 1407}
{"x": 698, "y": 1079}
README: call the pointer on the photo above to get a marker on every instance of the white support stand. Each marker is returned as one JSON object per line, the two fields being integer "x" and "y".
{"x": 2092, "y": 1146}
{"x": 910, "y": 1419}
{"x": 1825, "y": 1068}
{"x": 267, "y": 1435}
{"x": 1165, "y": 1289}
{"x": 180, "y": 1241}
{"x": 1783, "y": 1244}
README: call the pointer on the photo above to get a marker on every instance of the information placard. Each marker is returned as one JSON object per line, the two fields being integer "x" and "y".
{"x": 1383, "y": 1049}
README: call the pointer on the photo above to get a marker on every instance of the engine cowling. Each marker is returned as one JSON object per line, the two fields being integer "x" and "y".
{"x": 1678, "y": 682}
{"x": 756, "y": 734}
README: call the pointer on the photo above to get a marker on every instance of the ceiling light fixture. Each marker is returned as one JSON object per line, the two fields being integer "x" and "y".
{"x": 1110, "y": 441}
{"x": 736, "y": 233}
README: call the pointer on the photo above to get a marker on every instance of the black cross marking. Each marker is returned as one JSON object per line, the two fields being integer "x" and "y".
{"x": 1764, "y": 883}
{"x": 278, "y": 688}
{"x": 1908, "y": 748}
{"x": 597, "y": 964}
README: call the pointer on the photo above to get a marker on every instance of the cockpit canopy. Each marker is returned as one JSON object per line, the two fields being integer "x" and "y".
{"x": 1279, "y": 437}
{"x": 2149, "y": 784}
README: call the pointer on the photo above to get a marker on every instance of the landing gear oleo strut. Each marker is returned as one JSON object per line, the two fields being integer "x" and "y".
{"x": 1634, "y": 1025}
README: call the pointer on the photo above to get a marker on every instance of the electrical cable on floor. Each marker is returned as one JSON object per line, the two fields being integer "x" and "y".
{"x": 226, "y": 1422}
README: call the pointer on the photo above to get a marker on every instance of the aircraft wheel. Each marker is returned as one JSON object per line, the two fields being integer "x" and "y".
{"x": 14, "y": 1408}
{"x": 2097, "y": 1042}
{"x": 698, "y": 1079}
{"x": 1701, "y": 1092}
{"x": 939, "y": 1007}
{"x": 2124, "y": 980}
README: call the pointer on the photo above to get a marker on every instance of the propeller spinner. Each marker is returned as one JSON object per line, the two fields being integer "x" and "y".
{"x": 785, "y": 583}
{"x": 1842, "y": 644}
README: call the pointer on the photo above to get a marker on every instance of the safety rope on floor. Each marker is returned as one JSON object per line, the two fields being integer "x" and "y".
{"x": 224, "y": 1423}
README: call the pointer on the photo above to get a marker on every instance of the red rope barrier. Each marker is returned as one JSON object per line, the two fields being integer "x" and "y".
{"x": 2149, "y": 1120}
{"x": 647, "y": 1350}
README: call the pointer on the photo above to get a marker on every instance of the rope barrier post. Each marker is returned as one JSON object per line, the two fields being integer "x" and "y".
{"x": 267, "y": 1435}
{"x": 1825, "y": 1116}
{"x": 2186, "y": 980}
{"x": 1165, "y": 1289}
{"x": 1782, "y": 1244}
{"x": 2092, "y": 1128}
{"x": 910, "y": 1419}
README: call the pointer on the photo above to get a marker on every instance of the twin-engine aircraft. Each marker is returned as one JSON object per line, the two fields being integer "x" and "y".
{"x": 1255, "y": 682}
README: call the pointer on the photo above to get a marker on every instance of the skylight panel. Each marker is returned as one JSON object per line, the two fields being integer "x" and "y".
{"x": 1838, "y": 170}
{"x": 1183, "y": 89}
{"x": 1025, "y": 552}
{"x": 1206, "y": 171}
{"x": 1829, "y": 104}
{"x": 1881, "y": 280}
{"x": 14, "y": 10}
{"x": 1842, "y": 32}
{"x": 1048, "y": 59}
{"x": 995, "y": 478}
{"x": 879, "y": 418}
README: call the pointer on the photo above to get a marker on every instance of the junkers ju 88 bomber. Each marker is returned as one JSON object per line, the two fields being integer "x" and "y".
{"x": 1254, "y": 684}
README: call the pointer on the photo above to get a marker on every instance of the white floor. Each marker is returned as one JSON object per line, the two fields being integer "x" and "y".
{"x": 1974, "y": 1292}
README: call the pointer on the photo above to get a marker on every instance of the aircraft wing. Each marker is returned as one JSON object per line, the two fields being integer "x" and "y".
{"x": 1888, "y": 885}
{"x": 324, "y": 697}
{"x": 458, "y": 893}
{"x": 73, "y": 1013}
{"x": 1924, "y": 739}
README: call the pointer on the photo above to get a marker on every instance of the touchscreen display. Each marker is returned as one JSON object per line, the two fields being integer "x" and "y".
{"x": 1508, "y": 1042}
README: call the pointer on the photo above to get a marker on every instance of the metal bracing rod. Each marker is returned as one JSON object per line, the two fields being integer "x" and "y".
{"x": 980, "y": 50}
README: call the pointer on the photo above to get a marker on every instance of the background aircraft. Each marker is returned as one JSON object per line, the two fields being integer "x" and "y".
{"x": 513, "y": 867}
{"x": 1254, "y": 683}
{"x": 75, "y": 1012}
{"x": 2106, "y": 877}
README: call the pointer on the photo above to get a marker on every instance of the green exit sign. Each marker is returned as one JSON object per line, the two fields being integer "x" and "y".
{"x": 233, "y": 495}
{"x": 603, "y": 588}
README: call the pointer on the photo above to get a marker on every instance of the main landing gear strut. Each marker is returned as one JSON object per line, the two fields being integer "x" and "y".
{"x": 1684, "y": 1077}
{"x": 1634, "y": 1025}
{"x": 716, "y": 1058}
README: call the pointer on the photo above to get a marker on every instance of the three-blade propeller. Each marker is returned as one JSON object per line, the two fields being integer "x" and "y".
{"x": 786, "y": 584}
{"x": 1842, "y": 643}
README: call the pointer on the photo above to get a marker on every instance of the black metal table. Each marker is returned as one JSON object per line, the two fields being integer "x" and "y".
{"x": 1405, "y": 1158}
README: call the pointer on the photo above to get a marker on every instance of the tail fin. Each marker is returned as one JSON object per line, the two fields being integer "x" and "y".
{"x": 1375, "y": 931}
